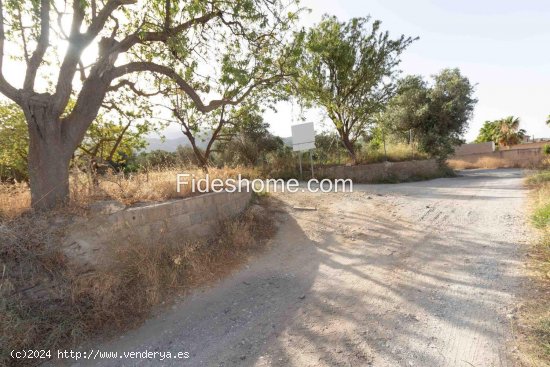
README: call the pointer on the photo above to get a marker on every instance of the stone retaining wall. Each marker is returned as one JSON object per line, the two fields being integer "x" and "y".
{"x": 382, "y": 172}
{"x": 92, "y": 240}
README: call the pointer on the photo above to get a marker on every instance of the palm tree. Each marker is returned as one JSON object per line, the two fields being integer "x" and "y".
{"x": 488, "y": 132}
{"x": 509, "y": 132}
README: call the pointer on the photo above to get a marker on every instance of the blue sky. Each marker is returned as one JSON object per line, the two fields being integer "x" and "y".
{"x": 501, "y": 46}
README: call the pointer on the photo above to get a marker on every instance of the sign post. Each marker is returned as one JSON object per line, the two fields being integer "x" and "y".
{"x": 303, "y": 139}
{"x": 311, "y": 161}
{"x": 300, "y": 160}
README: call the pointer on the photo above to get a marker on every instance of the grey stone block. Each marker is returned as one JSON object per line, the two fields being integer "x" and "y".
{"x": 196, "y": 218}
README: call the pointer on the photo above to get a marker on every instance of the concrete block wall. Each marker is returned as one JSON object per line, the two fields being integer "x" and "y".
{"x": 380, "y": 172}
{"x": 475, "y": 148}
{"x": 92, "y": 240}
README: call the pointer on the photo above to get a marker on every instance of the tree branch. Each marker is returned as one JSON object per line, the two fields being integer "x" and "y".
{"x": 168, "y": 16}
{"x": 215, "y": 133}
{"x": 5, "y": 87}
{"x": 99, "y": 21}
{"x": 77, "y": 43}
{"x": 41, "y": 47}
{"x": 118, "y": 141}
{"x": 82, "y": 71}
{"x": 201, "y": 158}
{"x": 23, "y": 38}
{"x": 133, "y": 88}
{"x": 186, "y": 88}
{"x": 164, "y": 35}
{"x": 94, "y": 9}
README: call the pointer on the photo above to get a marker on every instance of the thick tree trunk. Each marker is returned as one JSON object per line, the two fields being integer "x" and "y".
{"x": 48, "y": 162}
{"x": 350, "y": 148}
{"x": 202, "y": 159}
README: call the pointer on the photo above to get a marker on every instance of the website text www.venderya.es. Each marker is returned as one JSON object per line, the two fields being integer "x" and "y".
{"x": 239, "y": 184}
{"x": 95, "y": 354}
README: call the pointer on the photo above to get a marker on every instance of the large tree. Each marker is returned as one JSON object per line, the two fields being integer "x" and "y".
{"x": 436, "y": 114}
{"x": 197, "y": 45}
{"x": 348, "y": 70}
{"x": 407, "y": 110}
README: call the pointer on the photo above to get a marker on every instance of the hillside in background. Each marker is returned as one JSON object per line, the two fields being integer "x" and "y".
{"x": 170, "y": 145}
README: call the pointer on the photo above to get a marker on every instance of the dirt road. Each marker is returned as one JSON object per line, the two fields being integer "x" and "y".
{"x": 417, "y": 274}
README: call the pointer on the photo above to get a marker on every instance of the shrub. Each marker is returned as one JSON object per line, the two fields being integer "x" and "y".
{"x": 541, "y": 216}
{"x": 539, "y": 178}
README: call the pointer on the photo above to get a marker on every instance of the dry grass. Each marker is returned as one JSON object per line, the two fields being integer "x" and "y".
{"x": 155, "y": 185}
{"x": 492, "y": 161}
{"x": 534, "y": 319}
{"x": 14, "y": 199}
{"x": 46, "y": 303}
{"x": 152, "y": 186}
{"x": 394, "y": 152}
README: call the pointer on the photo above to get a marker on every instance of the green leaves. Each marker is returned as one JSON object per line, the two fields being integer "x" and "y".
{"x": 348, "y": 69}
{"x": 14, "y": 142}
{"x": 247, "y": 140}
{"x": 109, "y": 141}
{"x": 503, "y": 132}
{"x": 488, "y": 133}
{"x": 437, "y": 114}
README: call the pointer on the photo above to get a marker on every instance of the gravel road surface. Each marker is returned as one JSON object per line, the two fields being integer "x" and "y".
{"x": 414, "y": 274}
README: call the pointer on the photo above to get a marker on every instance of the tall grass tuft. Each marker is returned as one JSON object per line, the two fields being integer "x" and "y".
{"x": 150, "y": 186}
{"x": 535, "y": 315}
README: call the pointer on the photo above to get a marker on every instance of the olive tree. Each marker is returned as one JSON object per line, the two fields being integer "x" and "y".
{"x": 436, "y": 113}
{"x": 196, "y": 45}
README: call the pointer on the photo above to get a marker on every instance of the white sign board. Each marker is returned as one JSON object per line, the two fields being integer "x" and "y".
{"x": 303, "y": 137}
